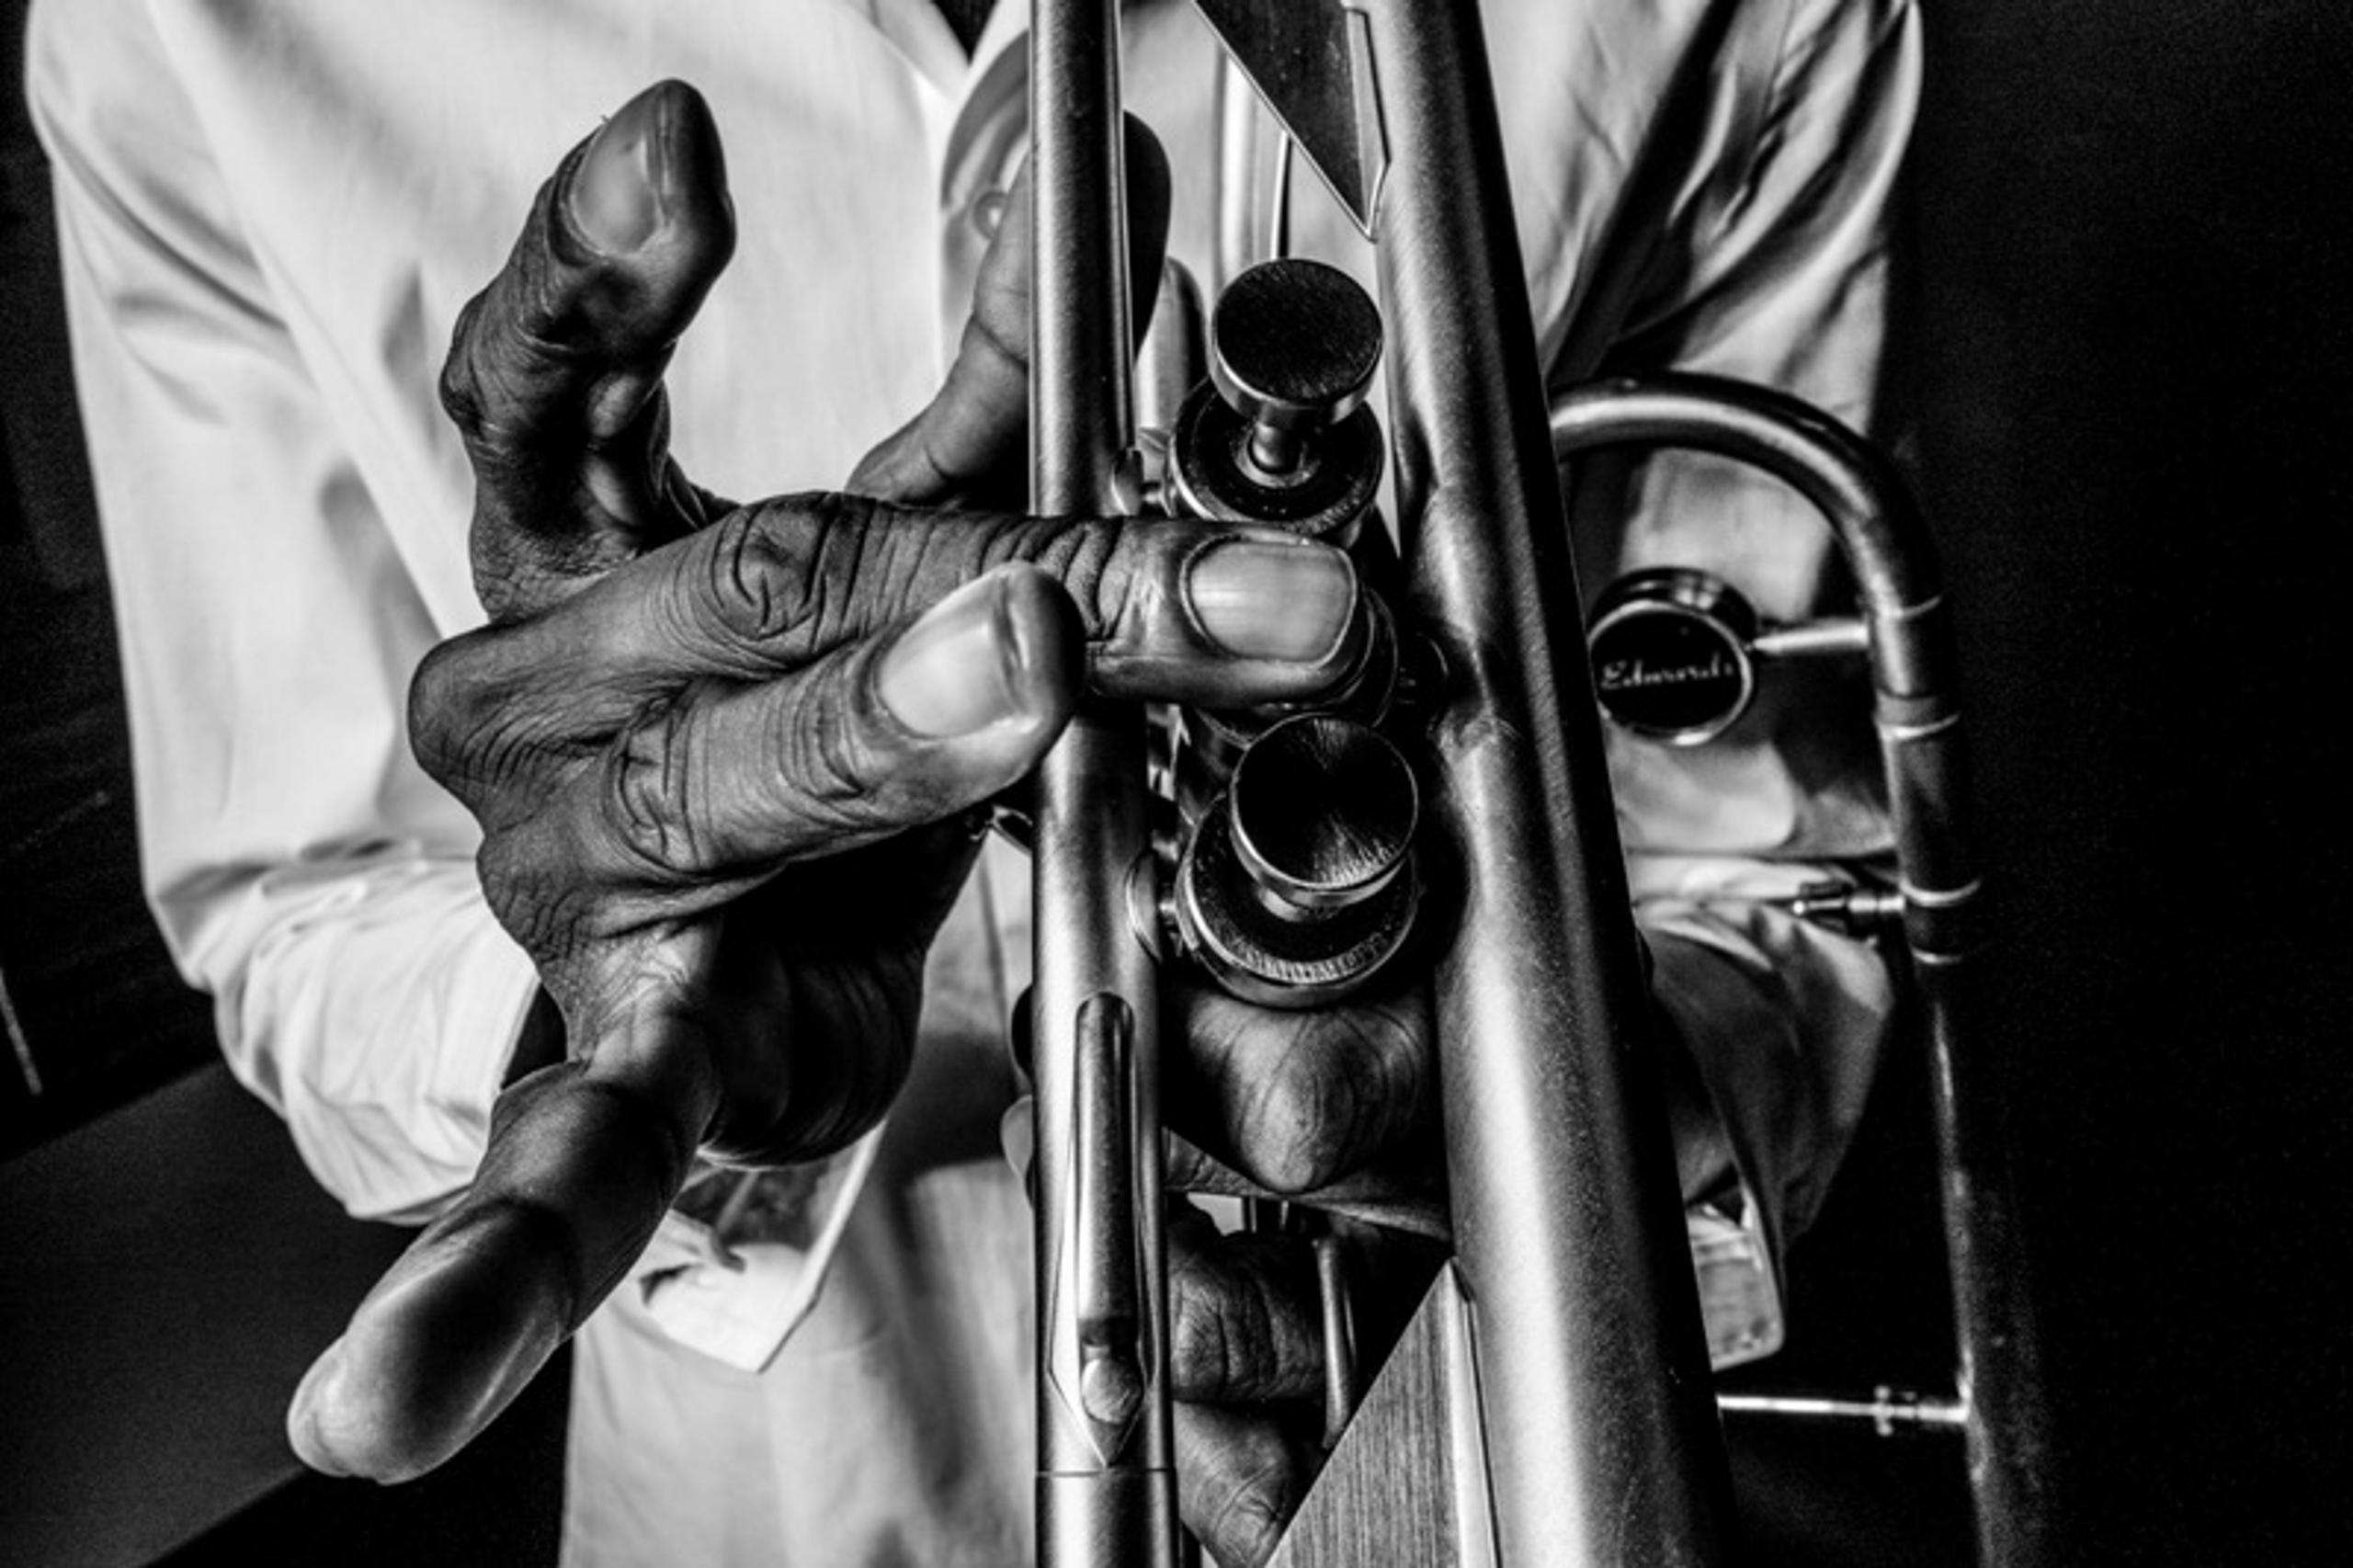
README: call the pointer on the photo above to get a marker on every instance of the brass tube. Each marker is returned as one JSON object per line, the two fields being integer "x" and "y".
{"x": 1105, "y": 1484}
{"x": 1870, "y": 512}
{"x": 1600, "y": 1429}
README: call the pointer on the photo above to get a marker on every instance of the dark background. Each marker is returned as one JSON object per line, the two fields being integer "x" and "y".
{"x": 2130, "y": 308}
{"x": 2136, "y": 291}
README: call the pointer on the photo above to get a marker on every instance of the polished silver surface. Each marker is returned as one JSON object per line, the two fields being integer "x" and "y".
{"x": 1555, "y": 1405}
{"x": 1323, "y": 811}
{"x": 1305, "y": 57}
{"x": 1258, "y": 946}
{"x": 1890, "y": 1411}
{"x": 1294, "y": 345}
{"x": 1340, "y": 1387}
{"x": 1868, "y": 507}
{"x": 1106, "y": 1490}
{"x": 1601, "y": 1436}
{"x": 1322, "y": 487}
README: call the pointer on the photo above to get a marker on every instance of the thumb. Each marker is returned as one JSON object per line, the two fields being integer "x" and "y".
{"x": 967, "y": 446}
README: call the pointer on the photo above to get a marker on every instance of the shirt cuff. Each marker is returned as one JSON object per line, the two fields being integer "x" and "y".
{"x": 735, "y": 1285}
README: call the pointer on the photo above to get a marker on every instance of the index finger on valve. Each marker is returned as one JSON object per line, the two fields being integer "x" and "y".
{"x": 718, "y": 633}
{"x": 1178, "y": 612}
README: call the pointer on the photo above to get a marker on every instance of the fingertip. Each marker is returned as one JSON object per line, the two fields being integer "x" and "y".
{"x": 440, "y": 1347}
{"x": 649, "y": 188}
{"x": 1016, "y": 1132}
{"x": 1049, "y": 641}
{"x": 1220, "y": 617}
{"x": 1239, "y": 1481}
{"x": 994, "y": 666}
{"x": 615, "y": 196}
{"x": 695, "y": 167}
{"x": 305, "y": 1430}
{"x": 1271, "y": 596}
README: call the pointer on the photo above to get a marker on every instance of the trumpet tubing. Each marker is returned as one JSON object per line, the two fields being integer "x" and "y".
{"x": 1600, "y": 1444}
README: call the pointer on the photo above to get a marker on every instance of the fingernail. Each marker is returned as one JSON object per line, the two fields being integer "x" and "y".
{"x": 958, "y": 670}
{"x": 616, "y": 193}
{"x": 303, "y": 1412}
{"x": 1265, "y": 599}
{"x": 1017, "y": 1134}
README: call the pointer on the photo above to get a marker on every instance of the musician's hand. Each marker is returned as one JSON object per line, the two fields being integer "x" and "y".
{"x": 724, "y": 760}
{"x": 1335, "y": 1107}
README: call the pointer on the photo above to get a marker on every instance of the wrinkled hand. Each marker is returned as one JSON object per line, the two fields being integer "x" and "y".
{"x": 1337, "y": 1109}
{"x": 724, "y": 758}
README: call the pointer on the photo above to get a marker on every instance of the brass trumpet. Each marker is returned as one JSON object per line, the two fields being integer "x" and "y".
{"x": 1570, "y": 1268}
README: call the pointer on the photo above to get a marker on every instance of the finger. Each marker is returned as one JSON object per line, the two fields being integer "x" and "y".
{"x": 1403, "y": 1196}
{"x": 1411, "y": 1205}
{"x": 1246, "y": 1320}
{"x": 554, "y": 370}
{"x": 1299, "y": 1100}
{"x": 1241, "y": 1476}
{"x": 584, "y": 1159}
{"x": 1193, "y": 612}
{"x": 892, "y": 733}
{"x": 968, "y": 444}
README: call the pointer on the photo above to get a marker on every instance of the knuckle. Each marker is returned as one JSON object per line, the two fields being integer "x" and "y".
{"x": 789, "y": 569}
{"x": 1093, "y": 561}
{"x": 653, "y": 784}
{"x": 827, "y": 756}
{"x": 475, "y": 731}
{"x": 516, "y": 354}
{"x": 759, "y": 583}
{"x": 435, "y": 695}
{"x": 452, "y": 723}
{"x": 460, "y": 382}
{"x": 835, "y": 1098}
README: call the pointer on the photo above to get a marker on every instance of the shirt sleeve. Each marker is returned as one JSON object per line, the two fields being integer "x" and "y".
{"x": 1775, "y": 271}
{"x": 302, "y": 869}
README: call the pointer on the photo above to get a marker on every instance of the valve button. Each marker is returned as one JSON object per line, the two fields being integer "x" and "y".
{"x": 1324, "y": 810}
{"x": 1278, "y": 434}
{"x": 1293, "y": 345}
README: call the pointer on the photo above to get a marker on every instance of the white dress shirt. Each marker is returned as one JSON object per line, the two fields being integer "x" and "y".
{"x": 270, "y": 216}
